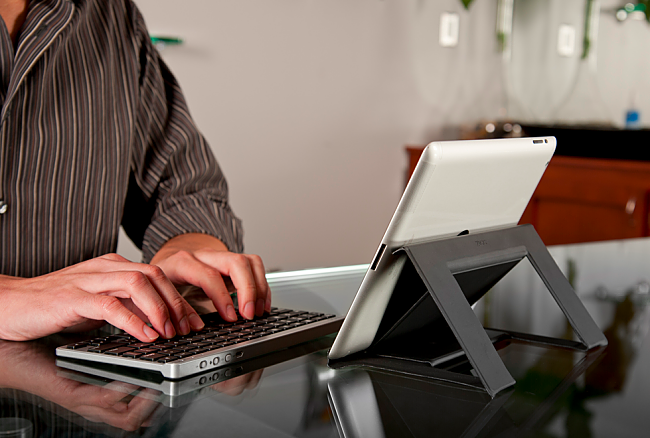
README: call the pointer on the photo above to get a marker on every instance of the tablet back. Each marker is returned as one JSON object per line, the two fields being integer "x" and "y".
{"x": 457, "y": 187}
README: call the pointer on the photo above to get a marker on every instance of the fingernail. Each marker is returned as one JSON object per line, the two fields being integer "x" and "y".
{"x": 169, "y": 330}
{"x": 184, "y": 326}
{"x": 149, "y": 332}
{"x": 196, "y": 322}
{"x": 249, "y": 310}
{"x": 259, "y": 308}
{"x": 230, "y": 313}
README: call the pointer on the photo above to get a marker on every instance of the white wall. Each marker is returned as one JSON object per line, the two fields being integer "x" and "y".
{"x": 308, "y": 104}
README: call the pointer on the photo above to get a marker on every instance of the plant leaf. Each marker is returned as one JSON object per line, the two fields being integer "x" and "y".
{"x": 466, "y": 3}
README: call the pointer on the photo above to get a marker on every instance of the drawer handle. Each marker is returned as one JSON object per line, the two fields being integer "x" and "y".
{"x": 630, "y": 206}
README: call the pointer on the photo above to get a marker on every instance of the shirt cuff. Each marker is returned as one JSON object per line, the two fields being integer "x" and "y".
{"x": 196, "y": 214}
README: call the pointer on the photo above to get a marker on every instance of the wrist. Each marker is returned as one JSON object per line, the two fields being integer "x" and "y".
{"x": 189, "y": 242}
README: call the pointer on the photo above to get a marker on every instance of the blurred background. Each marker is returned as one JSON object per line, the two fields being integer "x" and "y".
{"x": 310, "y": 105}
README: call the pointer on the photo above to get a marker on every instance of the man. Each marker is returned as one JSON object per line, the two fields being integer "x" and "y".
{"x": 96, "y": 133}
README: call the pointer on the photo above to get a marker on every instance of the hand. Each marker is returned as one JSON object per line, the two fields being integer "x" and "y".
{"x": 203, "y": 261}
{"x": 237, "y": 385}
{"x": 83, "y": 296}
{"x": 30, "y": 367}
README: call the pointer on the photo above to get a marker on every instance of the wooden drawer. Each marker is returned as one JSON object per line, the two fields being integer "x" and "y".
{"x": 585, "y": 199}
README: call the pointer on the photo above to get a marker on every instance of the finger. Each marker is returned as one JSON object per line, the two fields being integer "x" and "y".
{"x": 254, "y": 380}
{"x": 136, "y": 286}
{"x": 180, "y": 315}
{"x": 263, "y": 302}
{"x": 111, "y": 396}
{"x": 110, "y": 309}
{"x": 238, "y": 268}
{"x": 183, "y": 315}
{"x": 185, "y": 268}
{"x": 232, "y": 387}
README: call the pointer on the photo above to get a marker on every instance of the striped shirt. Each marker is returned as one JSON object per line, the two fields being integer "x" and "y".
{"x": 95, "y": 133}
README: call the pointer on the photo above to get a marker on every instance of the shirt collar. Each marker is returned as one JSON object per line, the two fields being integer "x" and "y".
{"x": 45, "y": 20}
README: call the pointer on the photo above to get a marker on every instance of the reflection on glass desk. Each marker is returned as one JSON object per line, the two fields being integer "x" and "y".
{"x": 559, "y": 393}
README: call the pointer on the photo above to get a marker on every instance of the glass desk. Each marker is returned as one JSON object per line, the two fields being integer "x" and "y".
{"x": 559, "y": 393}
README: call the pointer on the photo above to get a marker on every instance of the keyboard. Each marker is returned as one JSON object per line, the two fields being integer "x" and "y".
{"x": 218, "y": 344}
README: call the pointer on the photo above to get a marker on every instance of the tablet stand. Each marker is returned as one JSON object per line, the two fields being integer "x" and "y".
{"x": 437, "y": 262}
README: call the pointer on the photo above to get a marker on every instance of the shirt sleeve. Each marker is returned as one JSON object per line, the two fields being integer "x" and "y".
{"x": 176, "y": 185}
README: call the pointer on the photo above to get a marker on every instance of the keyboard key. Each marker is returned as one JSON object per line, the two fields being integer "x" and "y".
{"x": 183, "y": 355}
{"x": 152, "y": 356}
{"x": 106, "y": 346}
{"x": 118, "y": 351}
{"x": 204, "y": 343}
{"x": 78, "y": 345}
{"x": 133, "y": 354}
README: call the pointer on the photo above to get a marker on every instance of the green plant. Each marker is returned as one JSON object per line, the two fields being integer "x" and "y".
{"x": 466, "y": 3}
{"x": 646, "y": 3}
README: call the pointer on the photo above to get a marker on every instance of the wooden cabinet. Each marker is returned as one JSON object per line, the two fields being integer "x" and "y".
{"x": 586, "y": 199}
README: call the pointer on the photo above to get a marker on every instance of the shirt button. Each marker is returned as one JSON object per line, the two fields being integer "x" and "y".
{"x": 3, "y": 207}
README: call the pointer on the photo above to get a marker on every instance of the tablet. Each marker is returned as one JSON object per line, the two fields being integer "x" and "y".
{"x": 458, "y": 187}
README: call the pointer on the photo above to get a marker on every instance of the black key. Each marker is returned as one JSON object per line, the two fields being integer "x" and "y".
{"x": 152, "y": 356}
{"x": 107, "y": 346}
{"x": 78, "y": 345}
{"x": 148, "y": 350}
{"x": 133, "y": 354}
{"x": 182, "y": 342}
{"x": 118, "y": 351}
{"x": 185, "y": 354}
{"x": 292, "y": 320}
{"x": 167, "y": 359}
{"x": 168, "y": 345}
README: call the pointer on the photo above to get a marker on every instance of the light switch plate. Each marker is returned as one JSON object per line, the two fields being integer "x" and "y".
{"x": 566, "y": 40}
{"x": 449, "y": 29}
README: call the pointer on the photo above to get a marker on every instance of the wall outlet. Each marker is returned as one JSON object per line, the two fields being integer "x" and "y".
{"x": 566, "y": 40}
{"x": 449, "y": 29}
